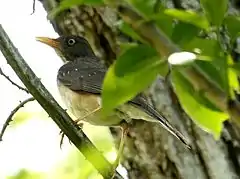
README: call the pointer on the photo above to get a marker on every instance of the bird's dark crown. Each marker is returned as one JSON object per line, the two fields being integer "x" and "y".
{"x": 73, "y": 47}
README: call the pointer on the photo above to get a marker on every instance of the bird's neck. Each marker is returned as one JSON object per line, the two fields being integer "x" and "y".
{"x": 85, "y": 51}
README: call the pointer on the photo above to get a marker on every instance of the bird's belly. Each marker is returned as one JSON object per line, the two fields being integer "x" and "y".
{"x": 82, "y": 104}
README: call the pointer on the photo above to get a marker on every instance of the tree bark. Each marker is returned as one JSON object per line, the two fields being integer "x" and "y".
{"x": 150, "y": 151}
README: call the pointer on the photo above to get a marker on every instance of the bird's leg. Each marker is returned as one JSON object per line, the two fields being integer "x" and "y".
{"x": 92, "y": 112}
{"x": 124, "y": 128}
{"x": 77, "y": 121}
{"x": 62, "y": 137}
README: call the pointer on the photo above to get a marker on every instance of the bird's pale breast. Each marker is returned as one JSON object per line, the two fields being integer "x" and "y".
{"x": 81, "y": 104}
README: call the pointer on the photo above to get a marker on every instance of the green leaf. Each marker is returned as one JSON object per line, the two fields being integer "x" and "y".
{"x": 183, "y": 33}
{"x": 215, "y": 10}
{"x": 126, "y": 46}
{"x": 233, "y": 25}
{"x": 133, "y": 71}
{"x": 164, "y": 22}
{"x": 197, "y": 107}
{"x": 236, "y": 67}
{"x": 234, "y": 72}
{"x": 233, "y": 79}
{"x": 205, "y": 47}
{"x": 134, "y": 59}
{"x": 127, "y": 29}
{"x": 214, "y": 70}
{"x": 145, "y": 8}
{"x": 189, "y": 16}
{"x": 66, "y": 4}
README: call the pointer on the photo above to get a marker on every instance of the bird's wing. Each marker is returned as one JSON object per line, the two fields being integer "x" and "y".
{"x": 80, "y": 75}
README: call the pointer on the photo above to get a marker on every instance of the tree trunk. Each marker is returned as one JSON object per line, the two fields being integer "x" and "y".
{"x": 150, "y": 151}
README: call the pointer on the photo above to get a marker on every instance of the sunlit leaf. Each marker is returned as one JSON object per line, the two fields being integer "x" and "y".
{"x": 233, "y": 79}
{"x": 215, "y": 10}
{"x": 189, "y": 16}
{"x": 236, "y": 67}
{"x": 234, "y": 72}
{"x": 134, "y": 59}
{"x": 66, "y": 4}
{"x": 117, "y": 90}
{"x": 133, "y": 71}
{"x": 197, "y": 107}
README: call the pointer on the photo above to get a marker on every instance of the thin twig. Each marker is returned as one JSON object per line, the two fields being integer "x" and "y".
{"x": 33, "y": 7}
{"x": 11, "y": 81}
{"x": 15, "y": 110}
{"x": 54, "y": 110}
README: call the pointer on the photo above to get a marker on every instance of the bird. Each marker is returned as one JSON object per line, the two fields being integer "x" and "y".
{"x": 80, "y": 80}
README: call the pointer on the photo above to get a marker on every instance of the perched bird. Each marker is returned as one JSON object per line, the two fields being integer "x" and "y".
{"x": 80, "y": 81}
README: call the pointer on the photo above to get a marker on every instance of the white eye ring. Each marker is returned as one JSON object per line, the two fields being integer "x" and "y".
{"x": 71, "y": 42}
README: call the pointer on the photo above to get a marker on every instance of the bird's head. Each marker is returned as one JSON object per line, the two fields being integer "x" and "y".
{"x": 69, "y": 47}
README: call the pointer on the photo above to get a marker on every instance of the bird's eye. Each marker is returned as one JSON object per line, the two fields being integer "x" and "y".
{"x": 71, "y": 42}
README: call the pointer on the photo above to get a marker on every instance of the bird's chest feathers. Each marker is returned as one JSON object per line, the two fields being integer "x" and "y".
{"x": 82, "y": 104}
{"x": 78, "y": 103}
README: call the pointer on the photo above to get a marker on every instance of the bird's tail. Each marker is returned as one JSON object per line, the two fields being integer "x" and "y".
{"x": 166, "y": 124}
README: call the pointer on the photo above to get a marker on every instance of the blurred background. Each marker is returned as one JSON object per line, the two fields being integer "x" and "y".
{"x": 31, "y": 143}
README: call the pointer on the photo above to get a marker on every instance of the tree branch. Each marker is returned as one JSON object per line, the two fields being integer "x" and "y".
{"x": 33, "y": 7}
{"x": 152, "y": 34}
{"x": 15, "y": 110}
{"x": 58, "y": 114}
{"x": 11, "y": 81}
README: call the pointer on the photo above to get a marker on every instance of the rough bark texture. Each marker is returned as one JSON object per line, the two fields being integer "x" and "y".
{"x": 150, "y": 151}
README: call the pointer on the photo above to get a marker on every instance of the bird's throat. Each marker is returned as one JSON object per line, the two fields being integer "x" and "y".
{"x": 60, "y": 54}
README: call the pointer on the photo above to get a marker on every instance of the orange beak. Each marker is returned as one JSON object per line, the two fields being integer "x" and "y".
{"x": 51, "y": 42}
